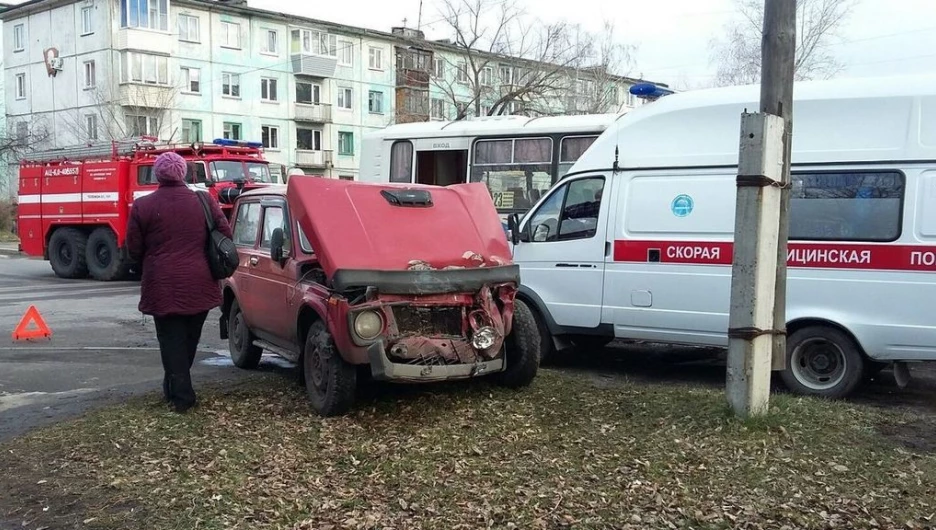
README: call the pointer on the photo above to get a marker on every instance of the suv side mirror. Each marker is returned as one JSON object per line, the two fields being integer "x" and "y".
{"x": 277, "y": 241}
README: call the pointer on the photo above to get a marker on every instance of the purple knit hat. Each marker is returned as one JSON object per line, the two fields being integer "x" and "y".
{"x": 169, "y": 168}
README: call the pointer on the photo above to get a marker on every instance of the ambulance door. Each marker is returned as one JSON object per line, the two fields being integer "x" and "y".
{"x": 562, "y": 256}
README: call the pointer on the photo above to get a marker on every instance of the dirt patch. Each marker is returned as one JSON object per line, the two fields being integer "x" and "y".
{"x": 916, "y": 434}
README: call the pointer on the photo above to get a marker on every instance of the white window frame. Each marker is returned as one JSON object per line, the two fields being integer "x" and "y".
{"x": 191, "y": 123}
{"x": 152, "y": 124}
{"x": 438, "y": 68}
{"x": 227, "y": 130}
{"x": 316, "y": 93}
{"x": 274, "y": 146}
{"x": 158, "y": 65}
{"x": 19, "y": 38}
{"x": 188, "y": 78}
{"x": 378, "y": 96}
{"x": 432, "y": 108}
{"x": 269, "y": 90}
{"x": 226, "y": 28}
{"x": 270, "y": 36}
{"x": 461, "y": 73}
{"x": 349, "y": 135}
{"x": 91, "y": 126}
{"x": 345, "y": 53}
{"x": 90, "y": 75}
{"x": 87, "y": 21}
{"x": 187, "y": 35}
{"x": 311, "y": 41}
{"x": 345, "y": 98}
{"x": 156, "y": 20}
{"x": 20, "y": 86}
{"x": 487, "y": 76}
{"x": 233, "y": 80}
{"x": 316, "y": 139}
{"x": 375, "y": 58}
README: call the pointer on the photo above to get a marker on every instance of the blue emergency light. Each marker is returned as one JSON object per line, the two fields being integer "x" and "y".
{"x": 236, "y": 143}
{"x": 649, "y": 91}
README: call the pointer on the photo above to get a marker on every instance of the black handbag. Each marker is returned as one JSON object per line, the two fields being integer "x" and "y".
{"x": 221, "y": 251}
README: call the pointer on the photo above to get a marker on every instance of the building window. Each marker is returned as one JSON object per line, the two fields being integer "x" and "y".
{"x": 308, "y": 139}
{"x": 230, "y": 35}
{"x": 20, "y": 86}
{"x": 346, "y": 52}
{"x": 345, "y": 177}
{"x": 191, "y": 80}
{"x": 438, "y": 109}
{"x": 91, "y": 126}
{"x": 230, "y": 85}
{"x": 90, "y": 74}
{"x": 142, "y": 125}
{"x": 506, "y": 75}
{"x": 375, "y": 58}
{"x": 462, "y": 73}
{"x": 232, "y": 131}
{"x": 346, "y": 143}
{"x": 143, "y": 68}
{"x": 438, "y": 68}
{"x": 375, "y": 102}
{"x": 270, "y": 137}
{"x": 22, "y": 130}
{"x": 308, "y": 93}
{"x": 147, "y": 14}
{"x": 313, "y": 43}
{"x": 87, "y": 20}
{"x": 270, "y": 42}
{"x": 344, "y": 98}
{"x": 189, "y": 28}
{"x": 268, "y": 90}
{"x": 191, "y": 131}
{"x": 19, "y": 37}
{"x": 487, "y": 76}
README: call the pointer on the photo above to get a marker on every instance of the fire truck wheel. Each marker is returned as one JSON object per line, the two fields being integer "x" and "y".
{"x": 241, "y": 341}
{"x": 330, "y": 381}
{"x": 106, "y": 262}
{"x": 522, "y": 349}
{"x": 67, "y": 253}
{"x": 823, "y": 361}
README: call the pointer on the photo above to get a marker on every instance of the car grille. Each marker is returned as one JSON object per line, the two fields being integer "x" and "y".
{"x": 429, "y": 321}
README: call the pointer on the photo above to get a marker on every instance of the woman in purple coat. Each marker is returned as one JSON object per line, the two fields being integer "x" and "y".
{"x": 167, "y": 233}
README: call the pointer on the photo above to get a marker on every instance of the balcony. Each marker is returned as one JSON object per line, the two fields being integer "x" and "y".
{"x": 313, "y": 113}
{"x": 146, "y": 96}
{"x": 411, "y": 78}
{"x": 144, "y": 40}
{"x": 317, "y": 159}
{"x": 313, "y": 65}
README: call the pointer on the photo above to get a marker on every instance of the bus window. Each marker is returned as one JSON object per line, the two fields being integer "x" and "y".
{"x": 401, "y": 162}
{"x": 516, "y": 171}
{"x": 571, "y": 148}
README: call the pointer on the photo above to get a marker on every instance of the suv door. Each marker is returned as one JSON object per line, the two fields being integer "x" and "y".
{"x": 276, "y": 309}
{"x": 246, "y": 237}
{"x": 563, "y": 257}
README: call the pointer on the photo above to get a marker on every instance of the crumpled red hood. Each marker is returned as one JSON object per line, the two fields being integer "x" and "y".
{"x": 352, "y": 225}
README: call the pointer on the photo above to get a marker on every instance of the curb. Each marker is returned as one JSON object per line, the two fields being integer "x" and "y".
{"x": 10, "y": 252}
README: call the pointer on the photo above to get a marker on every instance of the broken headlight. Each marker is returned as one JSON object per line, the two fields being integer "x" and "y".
{"x": 484, "y": 338}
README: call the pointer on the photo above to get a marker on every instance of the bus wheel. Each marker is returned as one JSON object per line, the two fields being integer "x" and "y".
{"x": 67, "y": 253}
{"x": 824, "y": 362}
{"x": 105, "y": 260}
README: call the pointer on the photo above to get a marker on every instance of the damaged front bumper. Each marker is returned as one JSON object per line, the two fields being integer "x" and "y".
{"x": 384, "y": 369}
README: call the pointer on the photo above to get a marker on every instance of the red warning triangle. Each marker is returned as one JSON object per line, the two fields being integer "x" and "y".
{"x": 39, "y": 329}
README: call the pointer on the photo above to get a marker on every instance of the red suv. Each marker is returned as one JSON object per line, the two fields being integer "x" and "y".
{"x": 413, "y": 281}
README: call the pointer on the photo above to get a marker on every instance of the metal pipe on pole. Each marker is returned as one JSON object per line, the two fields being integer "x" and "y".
{"x": 758, "y": 281}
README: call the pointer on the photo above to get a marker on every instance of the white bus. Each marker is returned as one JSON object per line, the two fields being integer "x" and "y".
{"x": 517, "y": 157}
{"x": 636, "y": 241}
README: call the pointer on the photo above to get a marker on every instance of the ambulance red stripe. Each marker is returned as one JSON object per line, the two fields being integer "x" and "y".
{"x": 862, "y": 256}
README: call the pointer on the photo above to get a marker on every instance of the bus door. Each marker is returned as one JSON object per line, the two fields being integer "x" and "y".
{"x": 441, "y": 161}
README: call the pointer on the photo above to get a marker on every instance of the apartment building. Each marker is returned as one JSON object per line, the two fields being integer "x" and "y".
{"x": 195, "y": 70}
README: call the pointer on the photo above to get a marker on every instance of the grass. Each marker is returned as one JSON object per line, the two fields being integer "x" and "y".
{"x": 561, "y": 454}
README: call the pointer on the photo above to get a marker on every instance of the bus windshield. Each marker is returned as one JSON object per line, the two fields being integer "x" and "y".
{"x": 228, "y": 171}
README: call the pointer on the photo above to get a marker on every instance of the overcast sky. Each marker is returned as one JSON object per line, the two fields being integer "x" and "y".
{"x": 882, "y": 37}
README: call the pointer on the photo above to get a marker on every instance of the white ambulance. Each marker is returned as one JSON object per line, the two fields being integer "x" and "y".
{"x": 635, "y": 241}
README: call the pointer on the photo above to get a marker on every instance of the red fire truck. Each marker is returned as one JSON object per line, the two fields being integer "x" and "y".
{"x": 74, "y": 202}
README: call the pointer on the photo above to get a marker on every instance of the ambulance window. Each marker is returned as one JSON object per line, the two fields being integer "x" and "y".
{"x": 847, "y": 206}
{"x": 145, "y": 176}
{"x": 247, "y": 224}
{"x": 571, "y": 212}
{"x": 196, "y": 173}
{"x": 401, "y": 162}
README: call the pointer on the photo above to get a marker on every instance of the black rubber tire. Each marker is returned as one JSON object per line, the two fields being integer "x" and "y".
{"x": 330, "y": 381}
{"x": 854, "y": 371}
{"x": 547, "y": 348}
{"x": 67, "y": 248}
{"x": 590, "y": 343}
{"x": 873, "y": 368}
{"x": 522, "y": 352}
{"x": 241, "y": 341}
{"x": 106, "y": 261}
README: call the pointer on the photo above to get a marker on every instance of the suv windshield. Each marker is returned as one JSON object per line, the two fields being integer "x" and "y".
{"x": 231, "y": 171}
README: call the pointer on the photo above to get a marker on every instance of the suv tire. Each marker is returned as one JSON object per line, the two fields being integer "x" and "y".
{"x": 241, "y": 341}
{"x": 67, "y": 248}
{"x": 330, "y": 381}
{"x": 522, "y": 352}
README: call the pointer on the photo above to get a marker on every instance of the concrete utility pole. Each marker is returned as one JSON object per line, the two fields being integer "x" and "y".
{"x": 758, "y": 279}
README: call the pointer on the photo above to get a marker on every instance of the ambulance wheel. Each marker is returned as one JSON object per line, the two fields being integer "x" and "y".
{"x": 824, "y": 362}
{"x": 522, "y": 351}
{"x": 106, "y": 262}
{"x": 330, "y": 381}
{"x": 547, "y": 349}
{"x": 67, "y": 253}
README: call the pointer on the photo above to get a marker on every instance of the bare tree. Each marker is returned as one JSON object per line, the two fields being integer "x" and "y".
{"x": 507, "y": 62}
{"x": 737, "y": 55}
{"x": 122, "y": 111}
{"x": 23, "y": 134}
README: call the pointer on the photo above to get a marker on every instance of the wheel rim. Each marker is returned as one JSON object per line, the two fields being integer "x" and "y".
{"x": 65, "y": 252}
{"x": 819, "y": 364}
{"x": 236, "y": 335}
{"x": 317, "y": 375}
{"x": 102, "y": 254}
